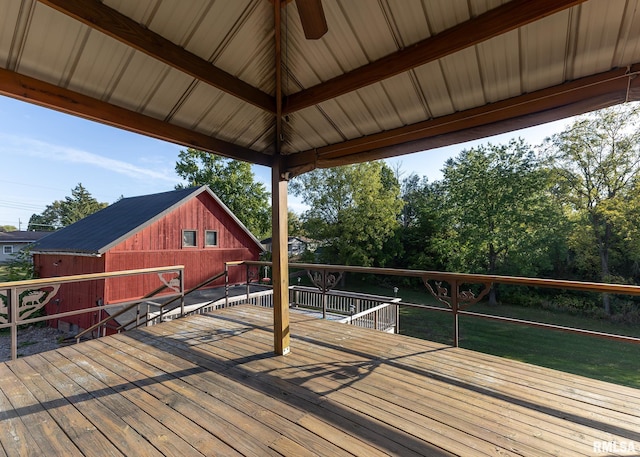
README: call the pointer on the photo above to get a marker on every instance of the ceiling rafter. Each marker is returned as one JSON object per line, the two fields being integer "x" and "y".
{"x": 114, "y": 24}
{"x": 41, "y": 93}
{"x": 546, "y": 105}
{"x": 495, "y": 22}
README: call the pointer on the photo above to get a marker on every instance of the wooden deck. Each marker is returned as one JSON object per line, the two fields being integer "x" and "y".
{"x": 210, "y": 385}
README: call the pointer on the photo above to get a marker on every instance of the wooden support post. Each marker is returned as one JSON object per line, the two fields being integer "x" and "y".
{"x": 279, "y": 214}
{"x": 280, "y": 262}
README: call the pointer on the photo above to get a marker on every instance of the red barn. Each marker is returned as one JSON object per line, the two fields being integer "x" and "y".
{"x": 189, "y": 227}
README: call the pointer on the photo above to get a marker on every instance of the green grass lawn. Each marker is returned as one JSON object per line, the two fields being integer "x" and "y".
{"x": 583, "y": 355}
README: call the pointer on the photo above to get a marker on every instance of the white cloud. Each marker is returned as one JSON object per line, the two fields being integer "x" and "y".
{"x": 41, "y": 149}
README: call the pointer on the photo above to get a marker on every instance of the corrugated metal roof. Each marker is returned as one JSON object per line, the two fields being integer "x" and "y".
{"x": 237, "y": 37}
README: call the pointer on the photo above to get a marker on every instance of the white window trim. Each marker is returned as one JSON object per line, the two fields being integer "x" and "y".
{"x": 195, "y": 241}
{"x": 4, "y": 249}
{"x": 205, "y": 239}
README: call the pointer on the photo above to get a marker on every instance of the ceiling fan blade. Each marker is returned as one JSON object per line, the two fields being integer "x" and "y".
{"x": 312, "y": 17}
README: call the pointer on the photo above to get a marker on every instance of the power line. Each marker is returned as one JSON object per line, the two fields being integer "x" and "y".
{"x": 20, "y": 205}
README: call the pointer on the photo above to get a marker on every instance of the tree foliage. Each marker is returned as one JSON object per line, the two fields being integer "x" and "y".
{"x": 233, "y": 182}
{"x": 499, "y": 207}
{"x": 419, "y": 222}
{"x": 598, "y": 160}
{"x": 65, "y": 212}
{"x": 353, "y": 210}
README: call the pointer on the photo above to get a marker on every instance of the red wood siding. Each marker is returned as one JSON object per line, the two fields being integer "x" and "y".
{"x": 157, "y": 245}
{"x": 160, "y": 244}
{"x": 74, "y": 296}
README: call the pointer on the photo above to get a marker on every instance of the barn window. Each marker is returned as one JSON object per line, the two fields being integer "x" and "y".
{"x": 189, "y": 238}
{"x": 211, "y": 238}
{"x": 7, "y": 249}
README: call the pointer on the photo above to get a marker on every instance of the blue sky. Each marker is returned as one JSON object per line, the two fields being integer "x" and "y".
{"x": 45, "y": 154}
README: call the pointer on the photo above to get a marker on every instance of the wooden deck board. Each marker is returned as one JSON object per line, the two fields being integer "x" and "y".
{"x": 210, "y": 385}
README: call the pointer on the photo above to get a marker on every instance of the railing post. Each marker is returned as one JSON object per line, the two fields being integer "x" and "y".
{"x": 397, "y": 326}
{"x": 12, "y": 296}
{"x": 324, "y": 294}
{"x": 249, "y": 283}
{"x": 226, "y": 285}
{"x": 375, "y": 320}
{"x": 454, "y": 309}
{"x": 181, "y": 276}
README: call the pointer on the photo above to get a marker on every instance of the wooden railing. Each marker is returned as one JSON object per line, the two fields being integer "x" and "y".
{"x": 383, "y": 318}
{"x": 335, "y": 301}
{"x": 21, "y": 301}
{"x": 455, "y": 291}
{"x": 262, "y": 298}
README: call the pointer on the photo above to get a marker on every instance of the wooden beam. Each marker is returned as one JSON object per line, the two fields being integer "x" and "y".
{"x": 110, "y": 22}
{"x": 546, "y": 105}
{"x": 497, "y": 21}
{"x": 32, "y": 90}
{"x": 279, "y": 213}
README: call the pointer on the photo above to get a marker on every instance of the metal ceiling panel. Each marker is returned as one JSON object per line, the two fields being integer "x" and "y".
{"x": 249, "y": 52}
{"x": 337, "y": 52}
{"x": 434, "y": 87}
{"x": 408, "y": 20}
{"x": 140, "y": 11}
{"x": 499, "y": 69}
{"x": 307, "y": 129}
{"x": 169, "y": 88}
{"x": 13, "y": 21}
{"x": 462, "y": 73}
{"x": 99, "y": 65}
{"x": 408, "y": 99}
{"x": 380, "y": 107}
{"x": 478, "y": 7}
{"x": 628, "y": 50}
{"x": 443, "y": 15}
{"x": 599, "y": 27}
{"x": 215, "y": 113}
{"x": 51, "y": 44}
{"x": 368, "y": 27}
{"x": 545, "y": 46}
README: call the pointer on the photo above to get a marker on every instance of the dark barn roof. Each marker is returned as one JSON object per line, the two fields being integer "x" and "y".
{"x": 99, "y": 232}
{"x": 19, "y": 236}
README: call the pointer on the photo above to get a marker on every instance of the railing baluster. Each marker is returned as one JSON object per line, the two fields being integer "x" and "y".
{"x": 13, "y": 297}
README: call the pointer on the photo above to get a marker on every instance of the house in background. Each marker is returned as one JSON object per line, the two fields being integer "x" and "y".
{"x": 189, "y": 227}
{"x": 296, "y": 245}
{"x": 13, "y": 242}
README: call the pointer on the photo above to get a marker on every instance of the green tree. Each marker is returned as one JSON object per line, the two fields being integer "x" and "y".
{"x": 353, "y": 210}
{"x": 500, "y": 212}
{"x": 295, "y": 224}
{"x": 8, "y": 228}
{"x": 20, "y": 266}
{"x": 233, "y": 182}
{"x": 598, "y": 159}
{"x": 420, "y": 221}
{"x": 65, "y": 212}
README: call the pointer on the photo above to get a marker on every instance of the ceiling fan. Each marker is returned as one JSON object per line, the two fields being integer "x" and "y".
{"x": 314, "y": 23}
